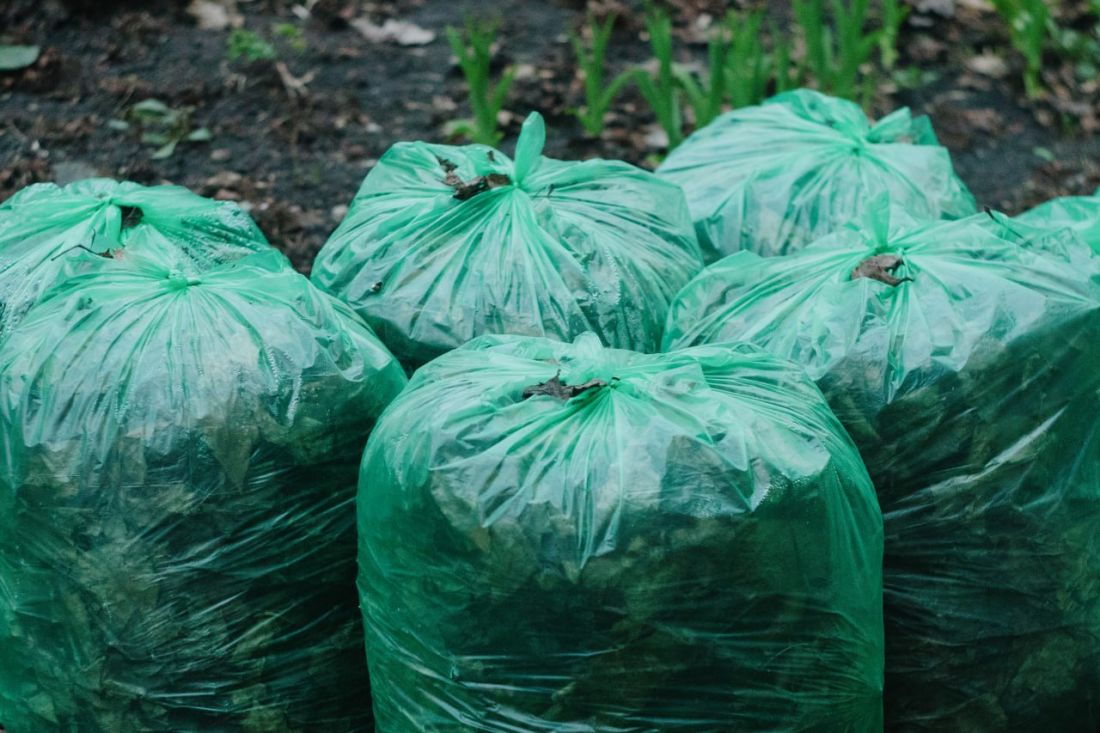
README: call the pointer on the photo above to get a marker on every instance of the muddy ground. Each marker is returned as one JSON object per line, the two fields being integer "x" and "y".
{"x": 294, "y": 147}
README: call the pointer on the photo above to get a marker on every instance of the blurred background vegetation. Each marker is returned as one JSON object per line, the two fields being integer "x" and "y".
{"x": 284, "y": 105}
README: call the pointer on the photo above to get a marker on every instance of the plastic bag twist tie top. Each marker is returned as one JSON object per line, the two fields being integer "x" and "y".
{"x": 590, "y": 361}
{"x": 119, "y": 212}
{"x": 532, "y": 139}
{"x": 178, "y": 280}
{"x": 112, "y": 222}
{"x": 591, "y": 367}
{"x": 882, "y": 268}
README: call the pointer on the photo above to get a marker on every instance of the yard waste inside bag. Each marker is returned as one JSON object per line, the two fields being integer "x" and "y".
{"x": 44, "y": 226}
{"x": 445, "y": 243}
{"x": 964, "y": 361}
{"x": 1079, "y": 213}
{"x": 177, "y": 524}
{"x": 772, "y": 178}
{"x": 563, "y": 537}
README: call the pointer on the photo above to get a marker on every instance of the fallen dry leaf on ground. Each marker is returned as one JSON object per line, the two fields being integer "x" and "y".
{"x": 988, "y": 64}
{"x": 215, "y": 15}
{"x": 398, "y": 31}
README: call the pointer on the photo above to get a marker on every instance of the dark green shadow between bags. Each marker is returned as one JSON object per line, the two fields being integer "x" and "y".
{"x": 177, "y": 530}
{"x": 771, "y": 179}
{"x": 561, "y": 537}
{"x": 444, "y": 243}
{"x": 964, "y": 359}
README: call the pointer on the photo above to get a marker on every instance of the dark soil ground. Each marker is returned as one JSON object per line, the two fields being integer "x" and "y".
{"x": 296, "y": 159}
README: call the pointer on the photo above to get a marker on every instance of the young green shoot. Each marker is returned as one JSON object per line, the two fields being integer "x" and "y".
{"x": 706, "y": 95}
{"x": 810, "y": 16}
{"x": 854, "y": 46}
{"x": 1079, "y": 45}
{"x": 894, "y": 13}
{"x": 836, "y": 51}
{"x": 661, "y": 89}
{"x": 592, "y": 61}
{"x": 785, "y": 70}
{"x": 748, "y": 64}
{"x": 474, "y": 49}
{"x": 1028, "y": 22}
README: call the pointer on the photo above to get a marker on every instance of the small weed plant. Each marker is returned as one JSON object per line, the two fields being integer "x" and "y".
{"x": 591, "y": 56}
{"x": 247, "y": 45}
{"x": 473, "y": 46}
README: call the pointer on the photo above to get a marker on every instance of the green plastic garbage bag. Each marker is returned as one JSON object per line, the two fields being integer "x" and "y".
{"x": 1079, "y": 213}
{"x": 773, "y": 178}
{"x": 965, "y": 363}
{"x": 177, "y": 524}
{"x": 444, "y": 243}
{"x": 44, "y": 226}
{"x": 558, "y": 537}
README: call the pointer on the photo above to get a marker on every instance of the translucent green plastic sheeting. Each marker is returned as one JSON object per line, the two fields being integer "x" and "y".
{"x": 965, "y": 363}
{"x": 772, "y": 178}
{"x": 44, "y": 226}
{"x": 1079, "y": 213}
{"x": 177, "y": 525}
{"x": 445, "y": 243}
{"x": 560, "y": 537}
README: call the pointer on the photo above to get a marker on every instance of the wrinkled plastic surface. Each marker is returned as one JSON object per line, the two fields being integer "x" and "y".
{"x": 1079, "y": 213}
{"x": 177, "y": 531}
{"x": 550, "y": 248}
{"x": 44, "y": 227}
{"x": 971, "y": 391}
{"x": 772, "y": 178}
{"x": 691, "y": 543}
